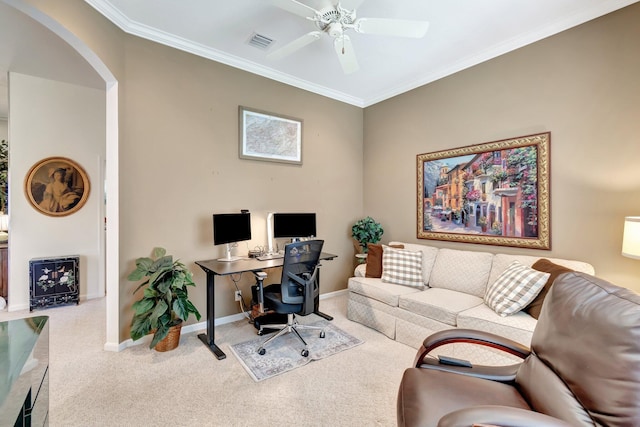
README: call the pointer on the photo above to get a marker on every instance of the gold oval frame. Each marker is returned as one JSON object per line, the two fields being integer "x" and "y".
{"x": 40, "y": 176}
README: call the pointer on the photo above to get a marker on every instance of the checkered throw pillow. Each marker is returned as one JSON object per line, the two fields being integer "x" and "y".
{"x": 514, "y": 289}
{"x": 402, "y": 267}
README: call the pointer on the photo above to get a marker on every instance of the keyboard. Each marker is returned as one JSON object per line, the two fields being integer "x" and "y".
{"x": 267, "y": 257}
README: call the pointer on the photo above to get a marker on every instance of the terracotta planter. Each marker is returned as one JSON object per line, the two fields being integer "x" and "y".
{"x": 171, "y": 341}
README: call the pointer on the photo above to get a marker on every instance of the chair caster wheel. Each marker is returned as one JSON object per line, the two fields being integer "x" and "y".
{"x": 305, "y": 353}
{"x": 322, "y": 334}
{"x": 261, "y": 351}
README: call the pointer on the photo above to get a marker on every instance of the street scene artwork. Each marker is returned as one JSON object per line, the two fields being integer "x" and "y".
{"x": 495, "y": 193}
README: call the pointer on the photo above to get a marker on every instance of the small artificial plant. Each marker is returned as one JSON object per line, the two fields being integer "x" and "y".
{"x": 165, "y": 302}
{"x": 366, "y": 230}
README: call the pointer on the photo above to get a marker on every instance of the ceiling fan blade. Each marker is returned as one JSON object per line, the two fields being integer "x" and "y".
{"x": 392, "y": 27}
{"x": 298, "y": 43}
{"x": 296, "y": 7}
{"x": 346, "y": 54}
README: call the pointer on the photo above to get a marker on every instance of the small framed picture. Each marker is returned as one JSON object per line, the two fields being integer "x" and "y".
{"x": 57, "y": 186}
{"x": 269, "y": 137}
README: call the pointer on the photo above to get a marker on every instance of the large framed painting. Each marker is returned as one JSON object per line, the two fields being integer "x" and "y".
{"x": 496, "y": 193}
{"x": 270, "y": 137}
{"x": 57, "y": 186}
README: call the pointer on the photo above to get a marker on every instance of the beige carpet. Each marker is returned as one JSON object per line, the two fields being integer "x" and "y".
{"x": 190, "y": 387}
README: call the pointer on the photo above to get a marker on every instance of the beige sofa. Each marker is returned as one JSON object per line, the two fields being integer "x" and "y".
{"x": 456, "y": 282}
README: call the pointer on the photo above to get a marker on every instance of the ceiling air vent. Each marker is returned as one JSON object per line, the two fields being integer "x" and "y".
{"x": 260, "y": 41}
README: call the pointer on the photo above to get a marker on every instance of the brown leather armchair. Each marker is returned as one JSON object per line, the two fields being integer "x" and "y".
{"x": 583, "y": 368}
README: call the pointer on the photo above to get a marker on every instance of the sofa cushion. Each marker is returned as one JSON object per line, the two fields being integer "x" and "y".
{"x": 374, "y": 259}
{"x": 516, "y": 287}
{"x": 374, "y": 288}
{"x": 402, "y": 267}
{"x": 462, "y": 271}
{"x": 429, "y": 254}
{"x": 502, "y": 261}
{"x": 518, "y": 327}
{"x": 442, "y": 305}
{"x": 554, "y": 270}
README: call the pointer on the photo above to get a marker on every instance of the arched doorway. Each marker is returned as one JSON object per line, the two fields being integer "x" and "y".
{"x": 109, "y": 263}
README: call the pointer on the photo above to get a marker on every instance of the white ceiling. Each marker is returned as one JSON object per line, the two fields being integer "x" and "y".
{"x": 462, "y": 33}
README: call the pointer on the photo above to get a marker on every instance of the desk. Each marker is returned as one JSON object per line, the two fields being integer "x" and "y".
{"x": 215, "y": 268}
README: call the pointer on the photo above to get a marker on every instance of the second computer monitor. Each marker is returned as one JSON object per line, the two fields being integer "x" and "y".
{"x": 294, "y": 225}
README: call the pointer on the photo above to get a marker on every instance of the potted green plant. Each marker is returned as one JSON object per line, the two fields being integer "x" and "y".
{"x": 366, "y": 230}
{"x": 165, "y": 303}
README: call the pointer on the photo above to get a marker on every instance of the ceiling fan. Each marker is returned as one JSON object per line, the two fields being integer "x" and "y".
{"x": 335, "y": 20}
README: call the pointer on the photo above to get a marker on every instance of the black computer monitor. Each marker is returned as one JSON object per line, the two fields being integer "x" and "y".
{"x": 294, "y": 225}
{"x": 230, "y": 228}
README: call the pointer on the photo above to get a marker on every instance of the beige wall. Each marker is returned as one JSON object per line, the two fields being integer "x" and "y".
{"x": 179, "y": 165}
{"x": 179, "y": 162}
{"x": 54, "y": 119}
{"x": 99, "y": 34}
{"x": 582, "y": 85}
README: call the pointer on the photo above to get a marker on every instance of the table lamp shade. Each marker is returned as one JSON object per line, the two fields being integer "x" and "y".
{"x": 631, "y": 237}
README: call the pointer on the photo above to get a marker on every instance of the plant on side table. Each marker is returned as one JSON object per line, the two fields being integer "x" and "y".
{"x": 165, "y": 303}
{"x": 366, "y": 230}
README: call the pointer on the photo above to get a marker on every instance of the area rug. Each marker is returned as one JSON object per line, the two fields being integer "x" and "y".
{"x": 284, "y": 353}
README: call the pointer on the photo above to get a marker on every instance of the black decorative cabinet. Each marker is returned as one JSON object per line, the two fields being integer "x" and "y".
{"x": 54, "y": 281}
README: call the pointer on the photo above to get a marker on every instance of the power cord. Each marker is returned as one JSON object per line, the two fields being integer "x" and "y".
{"x": 241, "y": 302}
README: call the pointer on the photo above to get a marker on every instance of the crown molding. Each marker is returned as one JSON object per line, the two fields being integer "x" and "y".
{"x": 152, "y": 34}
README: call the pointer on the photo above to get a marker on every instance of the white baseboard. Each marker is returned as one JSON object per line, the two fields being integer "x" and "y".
{"x": 200, "y": 326}
{"x": 17, "y": 307}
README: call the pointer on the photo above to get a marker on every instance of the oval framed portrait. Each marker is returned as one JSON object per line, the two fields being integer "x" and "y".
{"x": 57, "y": 186}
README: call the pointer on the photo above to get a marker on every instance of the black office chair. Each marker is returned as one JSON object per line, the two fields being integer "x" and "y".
{"x": 297, "y": 291}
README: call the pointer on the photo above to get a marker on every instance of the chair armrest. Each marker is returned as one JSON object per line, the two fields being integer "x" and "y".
{"x": 492, "y": 415}
{"x": 505, "y": 373}
{"x": 451, "y": 336}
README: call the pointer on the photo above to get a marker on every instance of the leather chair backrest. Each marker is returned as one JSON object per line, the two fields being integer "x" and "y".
{"x": 585, "y": 366}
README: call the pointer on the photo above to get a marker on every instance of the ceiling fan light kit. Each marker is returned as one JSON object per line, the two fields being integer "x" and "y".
{"x": 335, "y": 21}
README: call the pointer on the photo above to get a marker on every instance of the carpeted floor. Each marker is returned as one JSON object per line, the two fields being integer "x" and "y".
{"x": 190, "y": 387}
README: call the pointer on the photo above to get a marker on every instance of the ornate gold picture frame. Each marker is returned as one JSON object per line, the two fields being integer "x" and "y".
{"x": 496, "y": 193}
{"x": 57, "y": 186}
